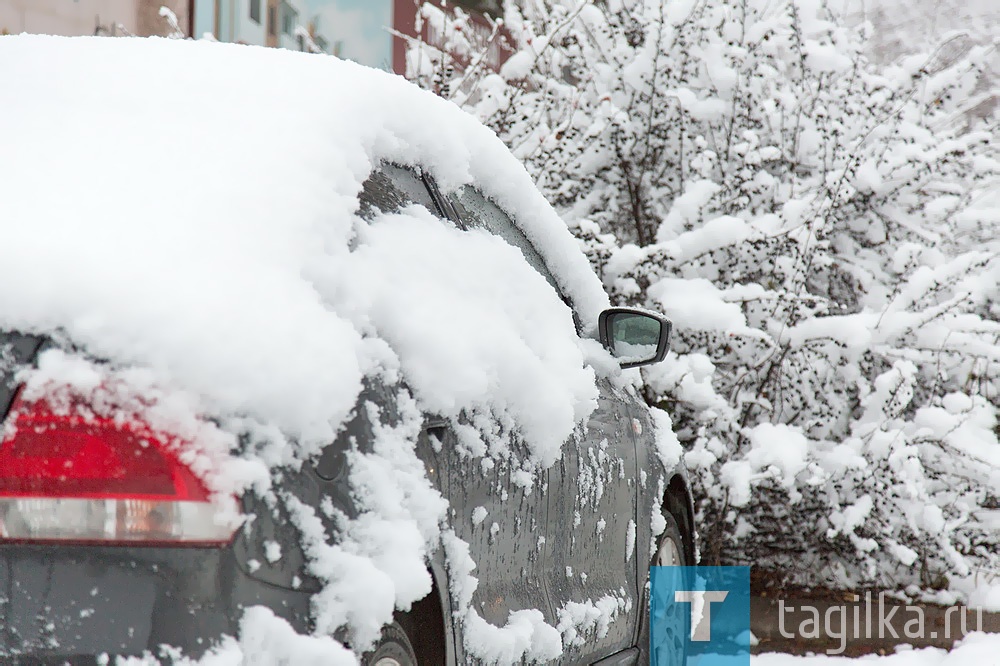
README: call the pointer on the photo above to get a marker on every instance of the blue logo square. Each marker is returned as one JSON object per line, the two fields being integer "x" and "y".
{"x": 699, "y": 616}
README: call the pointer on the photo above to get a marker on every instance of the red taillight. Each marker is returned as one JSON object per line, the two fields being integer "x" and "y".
{"x": 70, "y": 475}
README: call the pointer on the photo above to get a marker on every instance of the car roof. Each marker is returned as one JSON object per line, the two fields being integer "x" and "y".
{"x": 110, "y": 131}
{"x": 188, "y": 208}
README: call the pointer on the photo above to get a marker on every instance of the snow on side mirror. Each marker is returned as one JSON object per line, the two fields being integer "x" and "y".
{"x": 634, "y": 337}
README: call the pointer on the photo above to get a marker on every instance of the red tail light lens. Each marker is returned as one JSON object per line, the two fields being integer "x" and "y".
{"x": 75, "y": 476}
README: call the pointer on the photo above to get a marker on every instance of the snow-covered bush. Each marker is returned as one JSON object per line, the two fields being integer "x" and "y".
{"x": 823, "y": 234}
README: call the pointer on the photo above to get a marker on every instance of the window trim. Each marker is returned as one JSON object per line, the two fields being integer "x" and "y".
{"x": 442, "y": 202}
{"x": 577, "y": 322}
{"x": 422, "y": 179}
{"x": 447, "y": 211}
{"x": 289, "y": 19}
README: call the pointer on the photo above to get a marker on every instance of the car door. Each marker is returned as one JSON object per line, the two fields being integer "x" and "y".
{"x": 502, "y": 521}
{"x": 592, "y": 501}
{"x": 589, "y": 554}
{"x": 387, "y": 190}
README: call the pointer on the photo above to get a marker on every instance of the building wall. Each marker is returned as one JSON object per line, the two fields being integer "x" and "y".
{"x": 204, "y": 18}
{"x": 404, "y": 19}
{"x": 249, "y": 31}
{"x": 237, "y": 25}
{"x": 230, "y": 21}
{"x": 354, "y": 29}
{"x": 91, "y": 17}
{"x": 68, "y": 17}
{"x": 287, "y": 39}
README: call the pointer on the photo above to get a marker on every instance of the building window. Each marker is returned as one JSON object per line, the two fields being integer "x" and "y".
{"x": 272, "y": 20}
{"x": 255, "y": 11}
{"x": 288, "y": 19}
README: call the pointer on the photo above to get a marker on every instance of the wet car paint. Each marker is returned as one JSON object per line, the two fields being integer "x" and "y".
{"x": 541, "y": 545}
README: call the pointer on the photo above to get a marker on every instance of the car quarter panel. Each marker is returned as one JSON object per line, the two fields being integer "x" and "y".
{"x": 82, "y": 600}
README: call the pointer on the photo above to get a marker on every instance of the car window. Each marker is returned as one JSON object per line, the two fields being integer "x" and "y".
{"x": 478, "y": 212}
{"x": 393, "y": 187}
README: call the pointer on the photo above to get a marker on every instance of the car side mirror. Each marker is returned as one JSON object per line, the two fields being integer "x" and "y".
{"x": 634, "y": 337}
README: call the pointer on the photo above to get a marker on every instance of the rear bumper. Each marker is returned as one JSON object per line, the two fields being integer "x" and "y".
{"x": 68, "y": 602}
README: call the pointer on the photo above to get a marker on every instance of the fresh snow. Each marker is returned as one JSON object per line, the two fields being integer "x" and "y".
{"x": 579, "y": 620}
{"x": 155, "y": 174}
{"x": 190, "y": 236}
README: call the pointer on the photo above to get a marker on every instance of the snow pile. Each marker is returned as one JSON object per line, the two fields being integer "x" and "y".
{"x": 823, "y": 234}
{"x": 488, "y": 356}
{"x": 189, "y": 235}
{"x": 251, "y": 237}
{"x": 577, "y": 621}
{"x": 526, "y": 637}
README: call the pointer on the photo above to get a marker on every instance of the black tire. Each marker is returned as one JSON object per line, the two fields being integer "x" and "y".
{"x": 671, "y": 533}
{"x": 672, "y": 649}
{"x": 393, "y": 649}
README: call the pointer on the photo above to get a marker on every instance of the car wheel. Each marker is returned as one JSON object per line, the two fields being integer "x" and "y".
{"x": 669, "y": 648}
{"x": 393, "y": 649}
{"x": 670, "y": 551}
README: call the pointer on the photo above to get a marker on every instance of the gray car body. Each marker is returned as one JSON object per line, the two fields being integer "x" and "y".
{"x": 582, "y": 532}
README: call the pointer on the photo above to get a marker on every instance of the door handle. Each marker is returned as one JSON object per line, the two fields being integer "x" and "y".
{"x": 436, "y": 426}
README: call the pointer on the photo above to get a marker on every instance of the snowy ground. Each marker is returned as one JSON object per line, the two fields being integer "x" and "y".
{"x": 975, "y": 650}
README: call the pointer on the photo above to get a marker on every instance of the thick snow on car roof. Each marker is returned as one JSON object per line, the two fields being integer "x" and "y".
{"x": 180, "y": 204}
{"x": 262, "y": 137}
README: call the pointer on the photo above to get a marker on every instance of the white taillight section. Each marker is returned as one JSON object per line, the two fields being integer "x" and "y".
{"x": 111, "y": 520}
{"x": 77, "y": 477}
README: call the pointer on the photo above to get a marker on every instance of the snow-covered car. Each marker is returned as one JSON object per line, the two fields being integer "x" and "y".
{"x": 298, "y": 366}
